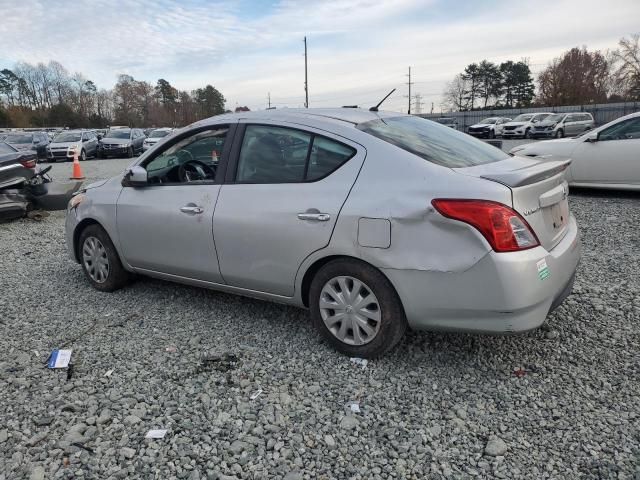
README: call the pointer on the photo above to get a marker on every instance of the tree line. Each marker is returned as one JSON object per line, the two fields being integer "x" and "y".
{"x": 44, "y": 95}
{"x": 577, "y": 77}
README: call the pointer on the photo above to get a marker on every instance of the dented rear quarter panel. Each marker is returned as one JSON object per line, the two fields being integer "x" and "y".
{"x": 398, "y": 186}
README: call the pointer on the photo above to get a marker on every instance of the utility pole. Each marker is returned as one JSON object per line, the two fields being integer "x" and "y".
{"x": 409, "y": 83}
{"x": 306, "y": 84}
{"x": 431, "y": 107}
{"x": 269, "y": 99}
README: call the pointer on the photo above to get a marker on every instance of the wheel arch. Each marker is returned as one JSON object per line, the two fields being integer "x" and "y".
{"x": 307, "y": 278}
{"x": 78, "y": 231}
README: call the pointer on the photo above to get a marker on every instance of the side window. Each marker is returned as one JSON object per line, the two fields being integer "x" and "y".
{"x": 272, "y": 155}
{"x": 283, "y": 155}
{"x": 627, "y": 130}
{"x": 570, "y": 118}
{"x": 191, "y": 159}
{"x": 327, "y": 156}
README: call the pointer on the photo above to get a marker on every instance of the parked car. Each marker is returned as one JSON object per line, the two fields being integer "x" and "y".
{"x": 489, "y": 127}
{"x": 154, "y": 137}
{"x": 450, "y": 122}
{"x": 36, "y": 141}
{"x": 606, "y": 157}
{"x": 100, "y": 132}
{"x": 375, "y": 221}
{"x": 16, "y": 166}
{"x": 120, "y": 142}
{"x": 522, "y": 125}
{"x": 560, "y": 125}
{"x": 66, "y": 144}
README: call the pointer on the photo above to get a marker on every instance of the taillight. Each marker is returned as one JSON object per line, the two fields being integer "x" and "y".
{"x": 503, "y": 227}
{"x": 28, "y": 163}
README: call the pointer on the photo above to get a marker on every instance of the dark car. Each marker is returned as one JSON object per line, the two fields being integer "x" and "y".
{"x": 16, "y": 166}
{"x": 121, "y": 142}
{"x": 35, "y": 141}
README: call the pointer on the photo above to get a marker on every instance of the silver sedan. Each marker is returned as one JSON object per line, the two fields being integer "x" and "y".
{"x": 374, "y": 221}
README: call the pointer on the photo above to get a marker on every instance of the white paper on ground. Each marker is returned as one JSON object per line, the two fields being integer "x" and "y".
{"x": 59, "y": 359}
{"x": 355, "y": 407}
{"x": 256, "y": 394}
{"x": 156, "y": 434}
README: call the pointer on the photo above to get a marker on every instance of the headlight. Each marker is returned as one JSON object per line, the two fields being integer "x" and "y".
{"x": 73, "y": 148}
{"x": 76, "y": 200}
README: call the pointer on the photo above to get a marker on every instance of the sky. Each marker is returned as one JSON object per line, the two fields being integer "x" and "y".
{"x": 358, "y": 50}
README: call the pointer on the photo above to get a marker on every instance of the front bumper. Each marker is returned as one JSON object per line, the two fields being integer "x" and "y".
{"x": 545, "y": 134}
{"x": 501, "y": 293}
{"x": 70, "y": 224}
{"x": 114, "y": 151}
{"x": 480, "y": 134}
{"x": 512, "y": 133}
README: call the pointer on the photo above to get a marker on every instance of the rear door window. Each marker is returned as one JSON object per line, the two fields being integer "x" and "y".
{"x": 273, "y": 154}
{"x": 433, "y": 142}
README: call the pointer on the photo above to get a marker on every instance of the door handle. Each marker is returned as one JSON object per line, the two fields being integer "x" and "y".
{"x": 192, "y": 209}
{"x": 316, "y": 217}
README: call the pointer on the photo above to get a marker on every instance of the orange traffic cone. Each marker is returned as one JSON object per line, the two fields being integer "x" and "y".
{"x": 77, "y": 171}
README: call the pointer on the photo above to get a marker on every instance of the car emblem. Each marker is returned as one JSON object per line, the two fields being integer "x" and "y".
{"x": 530, "y": 211}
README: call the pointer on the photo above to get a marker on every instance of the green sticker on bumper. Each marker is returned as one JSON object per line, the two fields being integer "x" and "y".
{"x": 543, "y": 269}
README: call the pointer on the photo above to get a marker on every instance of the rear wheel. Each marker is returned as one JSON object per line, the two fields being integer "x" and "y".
{"x": 100, "y": 260}
{"x": 356, "y": 309}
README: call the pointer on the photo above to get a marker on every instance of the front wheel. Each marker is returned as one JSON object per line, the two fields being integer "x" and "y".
{"x": 130, "y": 152}
{"x": 100, "y": 260}
{"x": 356, "y": 309}
{"x": 83, "y": 156}
{"x": 527, "y": 133}
{"x": 559, "y": 133}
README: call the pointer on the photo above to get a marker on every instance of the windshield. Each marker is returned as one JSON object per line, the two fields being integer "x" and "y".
{"x": 556, "y": 117}
{"x": 4, "y": 148}
{"x": 159, "y": 133}
{"x": 433, "y": 142}
{"x": 445, "y": 121}
{"x": 119, "y": 133}
{"x": 525, "y": 117}
{"x": 67, "y": 137}
{"x": 489, "y": 121}
{"x": 18, "y": 138}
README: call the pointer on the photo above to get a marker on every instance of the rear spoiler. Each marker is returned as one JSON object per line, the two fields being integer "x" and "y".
{"x": 529, "y": 174}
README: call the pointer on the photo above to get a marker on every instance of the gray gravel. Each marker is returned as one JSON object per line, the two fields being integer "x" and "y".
{"x": 559, "y": 402}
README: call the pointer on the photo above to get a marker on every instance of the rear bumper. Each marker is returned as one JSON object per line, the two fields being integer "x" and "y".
{"x": 501, "y": 293}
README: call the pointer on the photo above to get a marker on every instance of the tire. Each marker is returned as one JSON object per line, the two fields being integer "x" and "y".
{"x": 385, "y": 333}
{"x": 95, "y": 245}
{"x": 492, "y": 134}
{"x": 130, "y": 152}
{"x": 527, "y": 133}
{"x": 559, "y": 133}
{"x": 83, "y": 156}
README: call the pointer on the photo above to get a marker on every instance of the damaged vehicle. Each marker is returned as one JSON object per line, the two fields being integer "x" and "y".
{"x": 374, "y": 221}
{"x": 23, "y": 187}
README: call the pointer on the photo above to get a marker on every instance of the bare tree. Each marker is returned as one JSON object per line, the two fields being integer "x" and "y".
{"x": 627, "y": 67}
{"x": 456, "y": 93}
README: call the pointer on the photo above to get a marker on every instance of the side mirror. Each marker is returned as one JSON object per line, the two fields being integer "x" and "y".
{"x": 136, "y": 176}
{"x": 591, "y": 137}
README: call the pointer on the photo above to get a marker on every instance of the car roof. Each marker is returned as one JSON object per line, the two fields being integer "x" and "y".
{"x": 353, "y": 116}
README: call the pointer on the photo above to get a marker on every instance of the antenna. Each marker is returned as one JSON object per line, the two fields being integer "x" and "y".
{"x": 306, "y": 83}
{"x": 375, "y": 109}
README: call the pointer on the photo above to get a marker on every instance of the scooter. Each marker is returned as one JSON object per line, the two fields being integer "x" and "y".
{"x": 40, "y": 192}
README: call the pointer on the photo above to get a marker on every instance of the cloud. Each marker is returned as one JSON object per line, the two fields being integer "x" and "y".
{"x": 358, "y": 49}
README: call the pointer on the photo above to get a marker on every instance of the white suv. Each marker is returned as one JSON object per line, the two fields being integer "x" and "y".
{"x": 522, "y": 125}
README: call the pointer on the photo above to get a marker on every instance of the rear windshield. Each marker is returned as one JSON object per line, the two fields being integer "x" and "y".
{"x": 433, "y": 142}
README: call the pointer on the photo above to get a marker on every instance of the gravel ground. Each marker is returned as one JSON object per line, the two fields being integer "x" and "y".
{"x": 559, "y": 402}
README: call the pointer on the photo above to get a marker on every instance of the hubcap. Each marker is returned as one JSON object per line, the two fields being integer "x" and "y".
{"x": 350, "y": 310}
{"x": 94, "y": 257}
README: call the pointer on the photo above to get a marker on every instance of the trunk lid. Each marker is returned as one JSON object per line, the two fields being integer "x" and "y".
{"x": 539, "y": 192}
